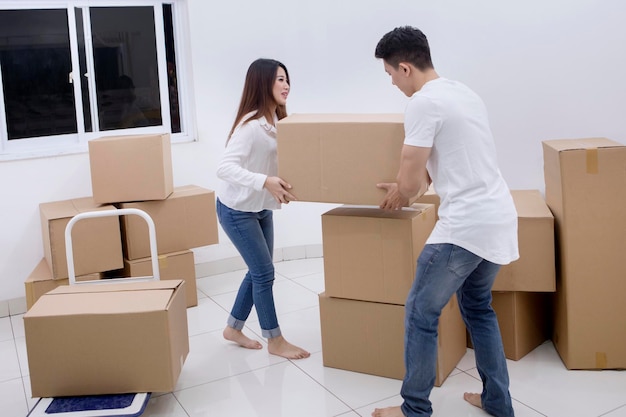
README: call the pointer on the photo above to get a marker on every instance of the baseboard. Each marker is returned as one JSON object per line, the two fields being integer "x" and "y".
{"x": 17, "y": 306}
{"x": 221, "y": 266}
{"x": 13, "y": 307}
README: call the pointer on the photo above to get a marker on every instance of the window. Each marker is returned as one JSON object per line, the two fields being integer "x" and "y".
{"x": 89, "y": 69}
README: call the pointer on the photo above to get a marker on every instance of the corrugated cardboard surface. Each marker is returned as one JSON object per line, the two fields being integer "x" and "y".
{"x": 177, "y": 265}
{"x": 339, "y": 158}
{"x": 524, "y": 319}
{"x": 40, "y": 281}
{"x": 185, "y": 220}
{"x": 370, "y": 254}
{"x": 586, "y": 192}
{"x": 535, "y": 269}
{"x": 368, "y": 337}
{"x": 430, "y": 197}
{"x": 107, "y": 339}
{"x": 131, "y": 168}
{"x": 96, "y": 243}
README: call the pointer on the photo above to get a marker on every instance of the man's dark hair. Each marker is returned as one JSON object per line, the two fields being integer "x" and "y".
{"x": 405, "y": 44}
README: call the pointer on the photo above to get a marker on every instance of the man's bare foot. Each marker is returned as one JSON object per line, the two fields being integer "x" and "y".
{"x": 280, "y": 347}
{"x": 241, "y": 339}
{"x": 388, "y": 412}
{"x": 473, "y": 399}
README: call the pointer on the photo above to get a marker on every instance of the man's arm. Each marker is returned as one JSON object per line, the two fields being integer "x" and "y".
{"x": 412, "y": 179}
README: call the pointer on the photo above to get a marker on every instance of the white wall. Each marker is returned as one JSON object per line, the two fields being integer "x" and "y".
{"x": 546, "y": 69}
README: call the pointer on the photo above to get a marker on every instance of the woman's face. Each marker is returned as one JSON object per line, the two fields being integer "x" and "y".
{"x": 281, "y": 87}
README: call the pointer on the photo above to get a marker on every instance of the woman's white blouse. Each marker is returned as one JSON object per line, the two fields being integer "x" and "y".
{"x": 249, "y": 158}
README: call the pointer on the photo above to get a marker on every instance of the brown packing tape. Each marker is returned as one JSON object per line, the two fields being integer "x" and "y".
{"x": 601, "y": 362}
{"x": 162, "y": 261}
{"x": 592, "y": 161}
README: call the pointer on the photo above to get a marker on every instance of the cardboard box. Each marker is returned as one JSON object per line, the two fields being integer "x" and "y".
{"x": 367, "y": 337}
{"x": 586, "y": 192}
{"x": 524, "y": 319}
{"x": 177, "y": 265}
{"x": 107, "y": 339}
{"x": 131, "y": 168}
{"x": 40, "y": 281}
{"x": 339, "y": 158}
{"x": 185, "y": 220}
{"x": 535, "y": 269}
{"x": 371, "y": 254}
{"x": 96, "y": 242}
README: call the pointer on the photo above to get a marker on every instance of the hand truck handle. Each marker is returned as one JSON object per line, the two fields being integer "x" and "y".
{"x": 107, "y": 213}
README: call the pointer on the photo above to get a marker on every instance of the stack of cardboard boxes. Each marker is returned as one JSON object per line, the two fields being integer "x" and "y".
{"x": 122, "y": 337}
{"x": 522, "y": 291}
{"x": 127, "y": 172}
{"x": 369, "y": 254}
{"x": 97, "y": 247}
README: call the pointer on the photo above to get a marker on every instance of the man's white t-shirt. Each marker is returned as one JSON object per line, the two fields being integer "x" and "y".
{"x": 476, "y": 211}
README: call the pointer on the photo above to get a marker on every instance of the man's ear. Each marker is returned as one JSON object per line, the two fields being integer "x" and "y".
{"x": 405, "y": 68}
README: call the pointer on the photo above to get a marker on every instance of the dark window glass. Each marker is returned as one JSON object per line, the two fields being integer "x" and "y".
{"x": 81, "y": 74}
{"x": 170, "y": 55}
{"x": 125, "y": 60}
{"x": 36, "y": 65}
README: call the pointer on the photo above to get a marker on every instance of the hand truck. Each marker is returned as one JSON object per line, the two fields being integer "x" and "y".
{"x": 107, "y": 405}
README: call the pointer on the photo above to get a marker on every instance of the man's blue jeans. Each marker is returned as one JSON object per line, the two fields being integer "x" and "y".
{"x": 442, "y": 270}
{"x": 252, "y": 233}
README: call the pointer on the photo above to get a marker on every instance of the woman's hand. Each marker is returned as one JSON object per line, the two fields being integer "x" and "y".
{"x": 279, "y": 189}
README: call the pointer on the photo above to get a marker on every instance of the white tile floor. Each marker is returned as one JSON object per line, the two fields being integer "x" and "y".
{"x": 223, "y": 380}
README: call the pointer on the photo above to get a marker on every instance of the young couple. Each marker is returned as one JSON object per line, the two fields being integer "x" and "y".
{"x": 447, "y": 142}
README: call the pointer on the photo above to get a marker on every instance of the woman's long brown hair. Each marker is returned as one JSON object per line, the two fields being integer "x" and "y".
{"x": 258, "y": 92}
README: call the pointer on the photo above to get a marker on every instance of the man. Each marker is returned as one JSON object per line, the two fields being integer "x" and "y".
{"x": 448, "y": 140}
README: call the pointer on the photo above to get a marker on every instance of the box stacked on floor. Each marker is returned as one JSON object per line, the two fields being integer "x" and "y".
{"x": 586, "y": 190}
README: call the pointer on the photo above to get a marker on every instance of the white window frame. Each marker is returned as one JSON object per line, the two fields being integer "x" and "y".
{"x": 49, "y": 146}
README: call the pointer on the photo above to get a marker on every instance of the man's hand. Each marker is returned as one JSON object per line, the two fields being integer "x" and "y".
{"x": 393, "y": 200}
{"x": 279, "y": 189}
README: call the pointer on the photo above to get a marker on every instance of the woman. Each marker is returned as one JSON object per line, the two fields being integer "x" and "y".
{"x": 248, "y": 193}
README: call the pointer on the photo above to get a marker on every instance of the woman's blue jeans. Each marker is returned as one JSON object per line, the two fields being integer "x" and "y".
{"x": 442, "y": 270}
{"x": 252, "y": 233}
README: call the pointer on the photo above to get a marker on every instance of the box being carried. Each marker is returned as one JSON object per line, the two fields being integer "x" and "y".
{"x": 339, "y": 158}
{"x": 131, "y": 168}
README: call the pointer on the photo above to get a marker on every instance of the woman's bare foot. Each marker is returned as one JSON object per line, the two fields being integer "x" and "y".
{"x": 241, "y": 339}
{"x": 473, "y": 399}
{"x": 280, "y": 347}
{"x": 388, "y": 412}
